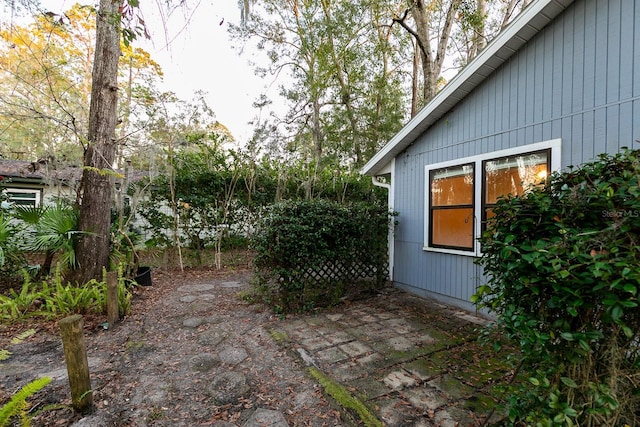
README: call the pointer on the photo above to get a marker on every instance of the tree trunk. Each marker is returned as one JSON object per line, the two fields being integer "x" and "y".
{"x": 415, "y": 85}
{"x": 431, "y": 61}
{"x": 92, "y": 250}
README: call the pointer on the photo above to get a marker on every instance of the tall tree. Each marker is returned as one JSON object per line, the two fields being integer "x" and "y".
{"x": 434, "y": 20}
{"x": 450, "y": 33}
{"x": 42, "y": 101}
{"x": 92, "y": 250}
{"x": 343, "y": 87}
{"x": 54, "y": 69}
{"x": 45, "y": 85}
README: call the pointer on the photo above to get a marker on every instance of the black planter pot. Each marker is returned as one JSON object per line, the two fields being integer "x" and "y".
{"x": 143, "y": 276}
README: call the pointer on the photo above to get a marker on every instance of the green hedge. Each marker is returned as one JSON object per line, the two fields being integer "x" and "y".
{"x": 563, "y": 263}
{"x": 314, "y": 253}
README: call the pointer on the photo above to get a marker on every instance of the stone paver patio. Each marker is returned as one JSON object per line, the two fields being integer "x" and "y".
{"x": 411, "y": 361}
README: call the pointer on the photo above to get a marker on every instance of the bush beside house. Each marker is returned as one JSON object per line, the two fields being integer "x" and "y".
{"x": 563, "y": 262}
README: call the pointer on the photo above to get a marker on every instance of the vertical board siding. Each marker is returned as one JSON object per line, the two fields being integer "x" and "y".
{"x": 627, "y": 46}
{"x": 635, "y": 46}
{"x": 613, "y": 52}
{"x": 589, "y": 54}
{"x": 577, "y": 80}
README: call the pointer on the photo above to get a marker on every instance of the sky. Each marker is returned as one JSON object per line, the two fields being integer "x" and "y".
{"x": 200, "y": 57}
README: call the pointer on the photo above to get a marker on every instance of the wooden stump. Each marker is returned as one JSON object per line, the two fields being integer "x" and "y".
{"x": 75, "y": 354}
{"x": 112, "y": 299}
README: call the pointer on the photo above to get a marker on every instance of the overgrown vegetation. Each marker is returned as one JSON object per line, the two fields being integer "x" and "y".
{"x": 46, "y": 234}
{"x": 51, "y": 299}
{"x": 563, "y": 266}
{"x": 313, "y": 253}
{"x": 220, "y": 194}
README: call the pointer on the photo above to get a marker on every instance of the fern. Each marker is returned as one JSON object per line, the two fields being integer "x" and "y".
{"x": 23, "y": 336}
{"x": 5, "y": 354}
{"x": 17, "y": 406}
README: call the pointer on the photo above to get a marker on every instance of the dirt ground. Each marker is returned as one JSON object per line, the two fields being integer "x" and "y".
{"x": 166, "y": 363}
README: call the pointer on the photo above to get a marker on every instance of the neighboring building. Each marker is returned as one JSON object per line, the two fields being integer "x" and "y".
{"x": 42, "y": 183}
{"x": 560, "y": 85}
{"x": 37, "y": 183}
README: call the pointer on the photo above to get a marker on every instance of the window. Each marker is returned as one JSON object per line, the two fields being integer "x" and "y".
{"x": 457, "y": 209}
{"x": 452, "y": 207}
{"x": 512, "y": 175}
{"x": 23, "y": 196}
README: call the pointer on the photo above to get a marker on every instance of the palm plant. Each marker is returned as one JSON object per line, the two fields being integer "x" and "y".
{"x": 54, "y": 231}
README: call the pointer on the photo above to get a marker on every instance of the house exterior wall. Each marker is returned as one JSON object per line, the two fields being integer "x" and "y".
{"x": 577, "y": 80}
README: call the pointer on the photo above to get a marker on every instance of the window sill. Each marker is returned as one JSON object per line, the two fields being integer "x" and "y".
{"x": 451, "y": 251}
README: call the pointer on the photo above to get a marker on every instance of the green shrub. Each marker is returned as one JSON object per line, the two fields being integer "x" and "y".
{"x": 313, "y": 253}
{"x": 562, "y": 263}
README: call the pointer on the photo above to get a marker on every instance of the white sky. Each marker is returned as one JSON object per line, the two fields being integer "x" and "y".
{"x": 200, "y": 57}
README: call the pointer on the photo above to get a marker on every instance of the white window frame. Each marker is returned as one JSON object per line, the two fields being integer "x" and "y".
{"x": 554, "y": 145}
{"x": 38, "y": 195}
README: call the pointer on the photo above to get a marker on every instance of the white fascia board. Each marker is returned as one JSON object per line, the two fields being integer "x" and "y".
{"x": 526, "y": 25}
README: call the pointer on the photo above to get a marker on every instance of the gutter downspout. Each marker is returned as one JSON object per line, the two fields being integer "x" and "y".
{"x": 378, "y": 183}
{"x": 390, "y": 244}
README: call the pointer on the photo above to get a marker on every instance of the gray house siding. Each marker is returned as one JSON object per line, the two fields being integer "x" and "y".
{"x": 578, "y": 80}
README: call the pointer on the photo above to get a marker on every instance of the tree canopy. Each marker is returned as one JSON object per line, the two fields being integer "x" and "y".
{"x": 75, "y": 88}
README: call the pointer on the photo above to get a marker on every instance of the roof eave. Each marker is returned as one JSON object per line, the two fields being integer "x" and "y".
{"x": 526, "y": 25}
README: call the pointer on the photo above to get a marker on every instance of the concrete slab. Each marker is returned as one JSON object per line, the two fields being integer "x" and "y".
{"x": 197, "y": 288}
{"x": 338, "y": 337}
{"x": 398, "y": 380}
{"x": 355, "y": 348}
{"x": 315, "y": 343}
{"x": 415, "y": 361}
{"x": 369, "y": 388}
{"x": 370, "y": 359}
{"x": 400, "y": 326}
{"x": 400, "y": 344}
{"x": 452, "y": 386}
{"x": 347, "y": 371}
{"x": 427, "y": 399}
{"x": 331, "y": 355}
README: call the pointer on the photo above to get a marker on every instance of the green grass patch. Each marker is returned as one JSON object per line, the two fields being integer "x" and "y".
{"x": 346, "y": 399}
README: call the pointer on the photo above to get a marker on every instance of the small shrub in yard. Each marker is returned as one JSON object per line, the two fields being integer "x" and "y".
{"x": 563, "y": 268}
{"x": 313, "y": 253}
